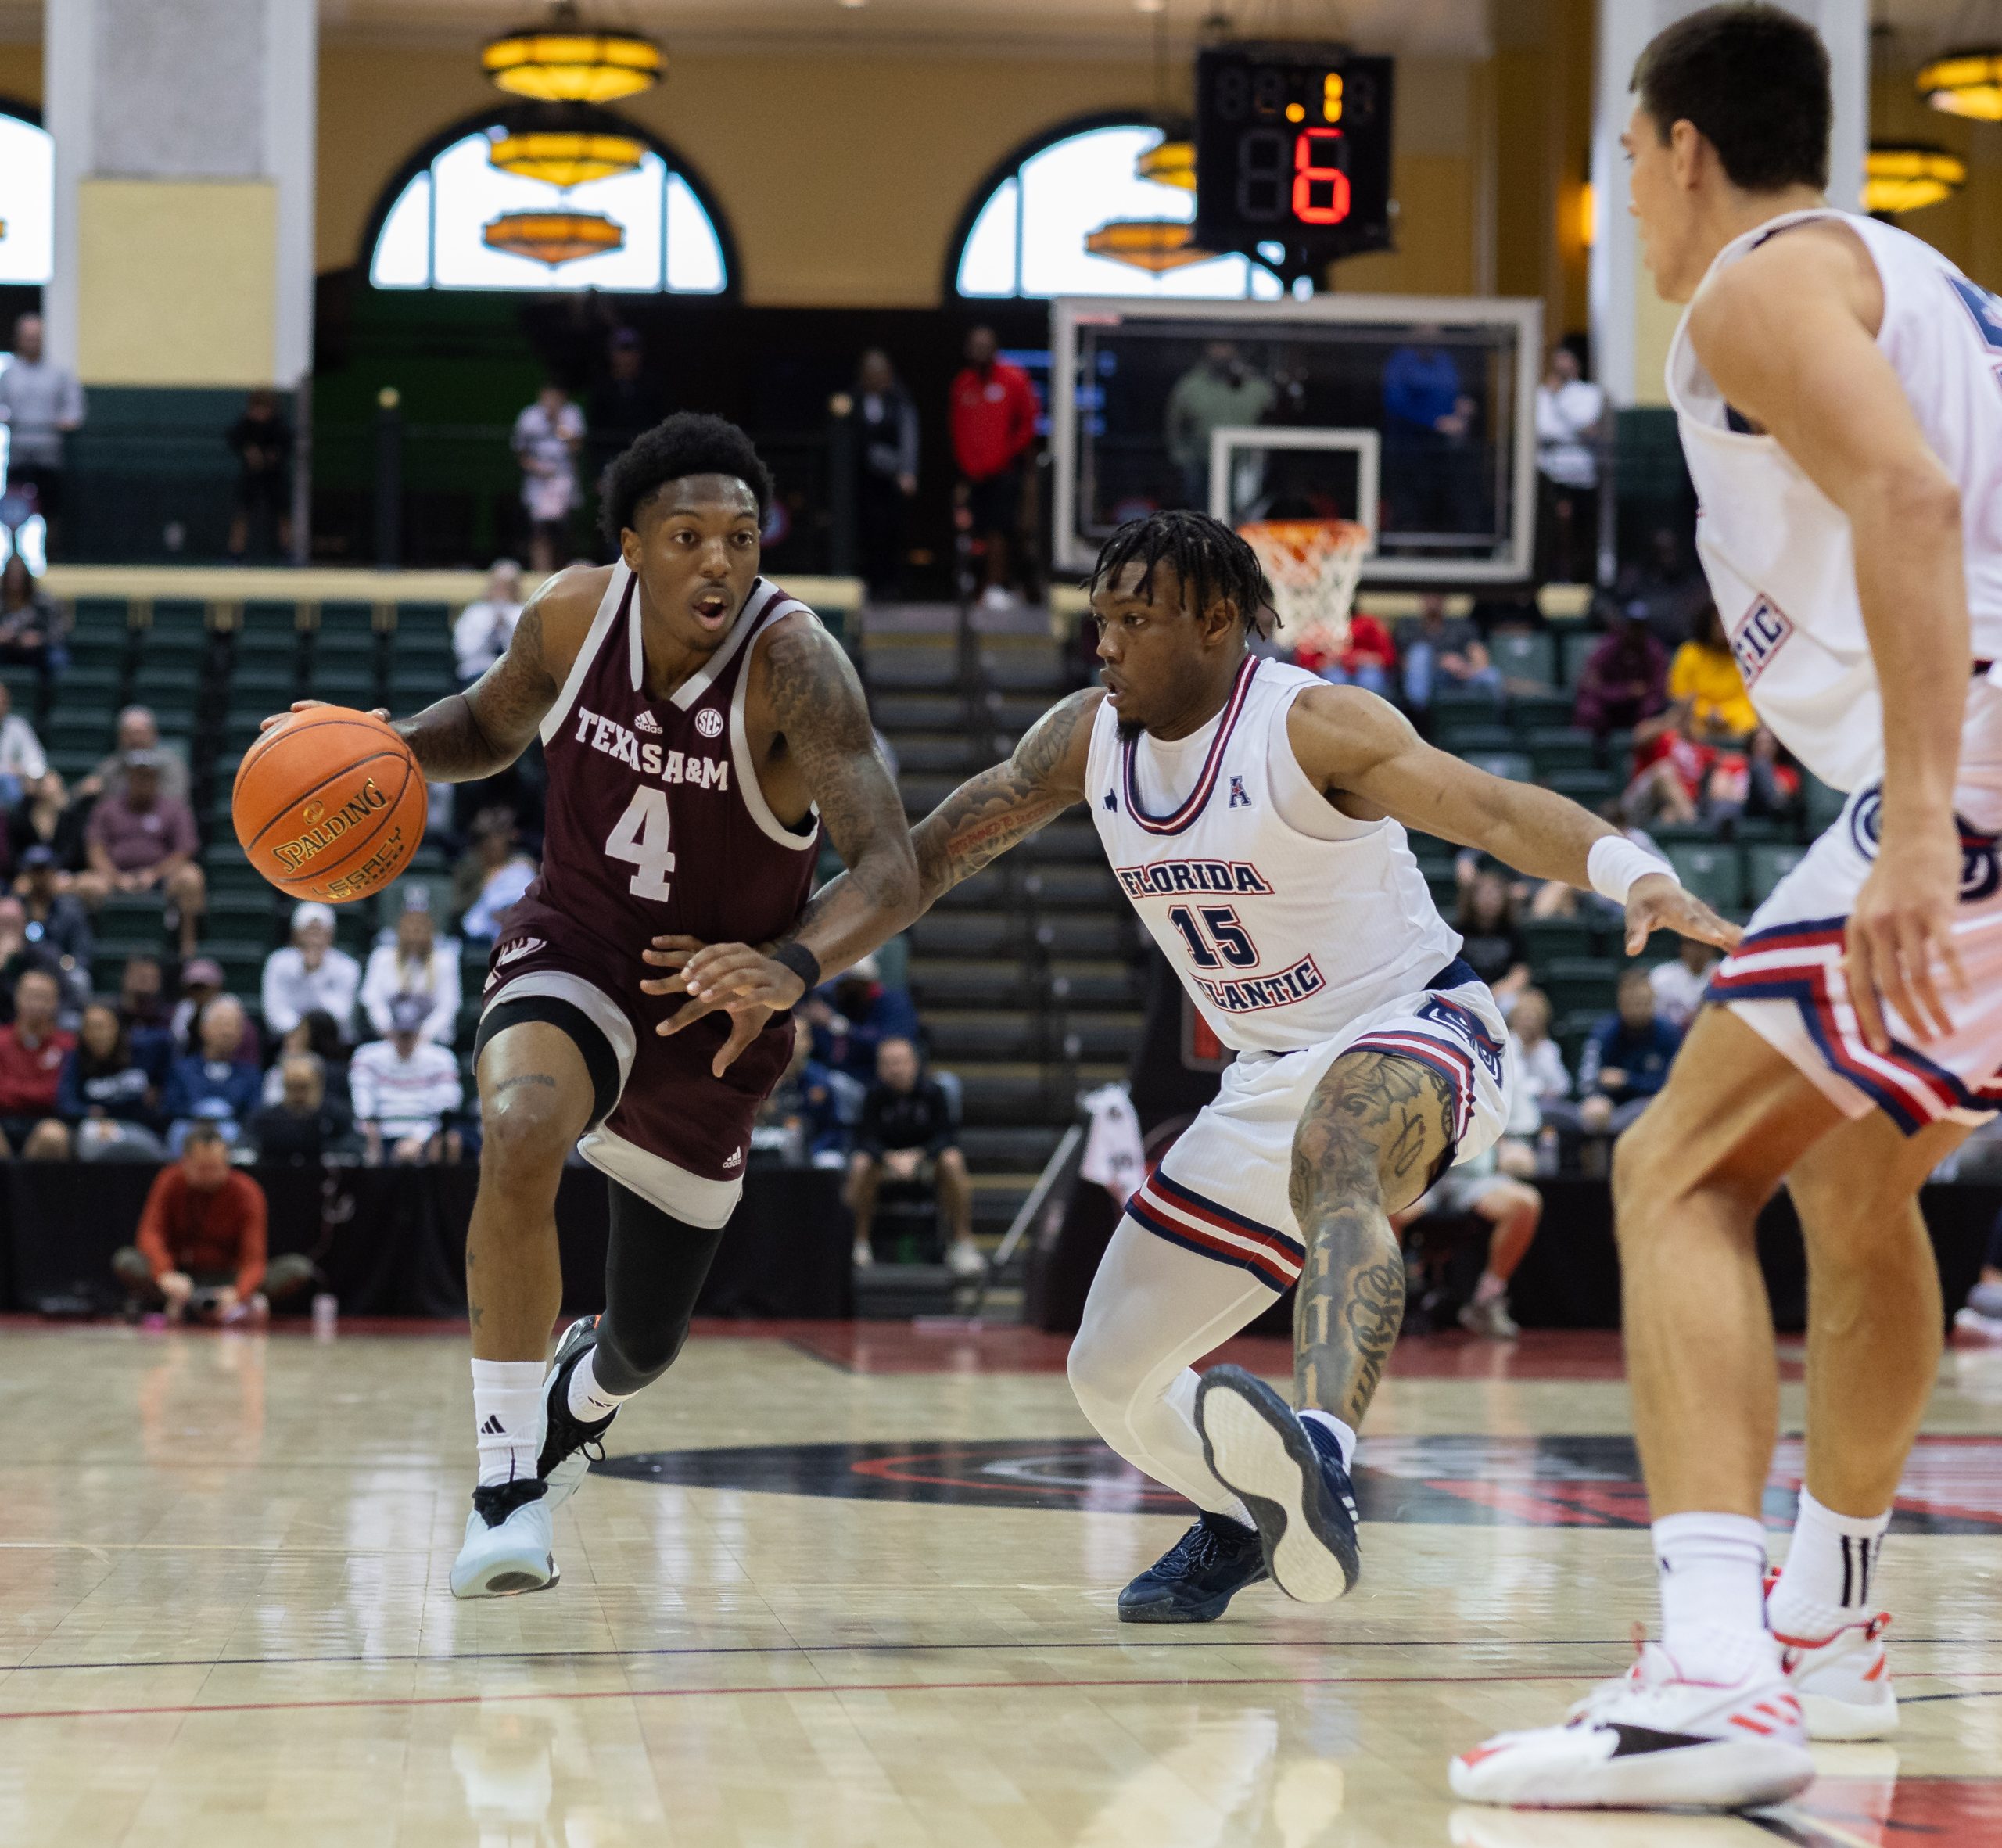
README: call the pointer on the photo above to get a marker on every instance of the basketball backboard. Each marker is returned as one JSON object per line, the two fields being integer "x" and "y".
{"x": 1423, "y": 407}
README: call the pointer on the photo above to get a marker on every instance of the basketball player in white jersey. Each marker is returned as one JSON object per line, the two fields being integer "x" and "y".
{"x": 1837, "y": 385}
{"x": 1255, "y": 817}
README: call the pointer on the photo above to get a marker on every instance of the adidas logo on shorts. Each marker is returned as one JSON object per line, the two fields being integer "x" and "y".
{"x": 735, "y": 1157}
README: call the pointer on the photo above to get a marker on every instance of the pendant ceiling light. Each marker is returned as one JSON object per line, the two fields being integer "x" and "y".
{"x": 1965, "y": 83}
{"x": 1901, "y": 177}
{"x": 567, "y": 61}
{"x": 1150, "y": 244}
{"x": 1171, "y": 163}
{"x": 552, "y": 238}
{"x": 566, "y": 157}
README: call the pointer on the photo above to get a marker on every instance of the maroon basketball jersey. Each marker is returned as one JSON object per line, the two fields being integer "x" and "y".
{"x": 654, "y": 823}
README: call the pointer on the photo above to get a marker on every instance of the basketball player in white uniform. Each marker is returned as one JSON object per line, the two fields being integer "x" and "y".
{"x": 1839, "y": 389}
{"x": 1255, "y": 817}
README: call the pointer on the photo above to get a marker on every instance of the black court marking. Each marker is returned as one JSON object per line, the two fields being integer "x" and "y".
{"x": 1951, "y": 1485}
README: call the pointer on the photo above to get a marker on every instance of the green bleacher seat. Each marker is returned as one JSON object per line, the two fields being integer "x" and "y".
{"x": 1550, "y": 938}
{"x": 24, "y": 686}
{"x": 1540, "y": 712}
{"x": 1512, "y": 766}
{"x": 178, "y": 619}
{"x": 1532, "y": 658}
{"x": 1580, "y": 984}
{"x": 100, "y": 617}
{"x": 1588, "y": 788}
{"x": 1716, "y": 874}
{"x": 1766, "y": 866}
{"x": 262, "y": 689}
{"x": 1467, "y": 734}
{"x": 1824, "y": 805}
{"x": 78, "y": 728}
{"x": 1577, "y": 643}
{"x": 82, "y": 686}
{"x": 342, "y": 687}
{"x": 126, "y": 922}
{"x": 1565, "y": 748}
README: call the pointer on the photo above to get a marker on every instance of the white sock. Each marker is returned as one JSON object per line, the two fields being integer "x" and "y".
{"x": 1344, "y": 1434}
{"x": 1830, "y": 1567}
{"x": 586, "y": 1399}
{"x": 1489, "y": 1287}
{"x": 1712, "y": 1569}
{"x": 508, "y": 1414}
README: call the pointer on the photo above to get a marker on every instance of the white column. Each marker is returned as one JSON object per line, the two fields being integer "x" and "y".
{"x": 1631, "y": 325}
{"x": 183, "y": 189}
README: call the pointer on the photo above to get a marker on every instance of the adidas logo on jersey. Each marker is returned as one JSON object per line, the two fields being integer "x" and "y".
{"x": 646, "y": 722}
{"x": 609, "y": 736}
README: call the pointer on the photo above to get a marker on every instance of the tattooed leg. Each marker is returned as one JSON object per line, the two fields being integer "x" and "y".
{"x": 1373, "y": 1134}
{"x": 536, "y": 1099}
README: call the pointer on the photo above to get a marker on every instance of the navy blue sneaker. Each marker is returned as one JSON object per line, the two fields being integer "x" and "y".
{"x": 1289, "y": 1472}
{"x": 1195, "y": 1580}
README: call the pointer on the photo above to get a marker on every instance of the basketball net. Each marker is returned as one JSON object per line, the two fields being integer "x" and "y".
{"x": 1313, "y": 567}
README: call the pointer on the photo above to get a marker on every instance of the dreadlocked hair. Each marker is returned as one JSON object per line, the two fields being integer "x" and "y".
{"x": 1207, "y": 557}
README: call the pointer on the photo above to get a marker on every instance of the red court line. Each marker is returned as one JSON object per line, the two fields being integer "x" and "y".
{"x": 417, "y": 1700}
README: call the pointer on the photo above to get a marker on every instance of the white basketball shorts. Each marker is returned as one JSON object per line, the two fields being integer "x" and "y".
{"x": 1786, "y": 981}
{"x": 1221, "y": 1191}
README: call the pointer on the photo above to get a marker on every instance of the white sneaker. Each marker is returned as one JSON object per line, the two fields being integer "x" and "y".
{"x": 1844, "y": 1681}
{"x": 1491, "y": 1319}
{"x": 997, "y": 596}
{"x": 963, "y": 1259}
{"x": 510, "y": 1542}
{"x": 1975, "y": 1327}
{"x": 1651, "y": 1740}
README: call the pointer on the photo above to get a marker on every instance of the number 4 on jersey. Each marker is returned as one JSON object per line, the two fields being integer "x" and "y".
{"x": 640, "y": 836}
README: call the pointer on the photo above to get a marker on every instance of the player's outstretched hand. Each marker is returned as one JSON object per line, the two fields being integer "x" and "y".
{"x": 307, "y": 706}
{"x": 1900, "y": 934}
{"x": 733, "y": 978}
{"x": 1655, "y": 902}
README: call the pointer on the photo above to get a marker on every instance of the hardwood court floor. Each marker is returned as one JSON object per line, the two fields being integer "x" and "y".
{"x": 856, "y": 1586}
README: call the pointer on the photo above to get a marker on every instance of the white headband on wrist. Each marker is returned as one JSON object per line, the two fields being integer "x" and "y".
{"x": 1615, "y": 863}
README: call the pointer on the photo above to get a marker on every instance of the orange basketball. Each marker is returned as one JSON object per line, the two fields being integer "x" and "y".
{"x": 329, "y": 804}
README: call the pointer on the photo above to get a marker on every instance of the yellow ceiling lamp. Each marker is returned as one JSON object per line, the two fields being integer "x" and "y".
{"x": 568, "y": 62}
{"x": 1901, "y": 177}
{"x": 552, "y": 238}
{"x": 1171, "y": 163}
{"x": 566, "y": 157}
{"x": 1154, "y": 244}
{"x": 1964, "y": 84}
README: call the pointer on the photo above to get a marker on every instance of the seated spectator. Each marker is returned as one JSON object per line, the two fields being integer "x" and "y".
{"x": 45, "y": 816}
{"x": 1439, "y": 651}
{"x": 56, "y": 922}
{"x": 138, "y": 730}
{"x": 806, "y": 1103}
{"x": 906, "y": 1134}
{"x": 853, "y": 1015}
{"x": 413, "y": 962}
{"x": 1703, "y": 677}
{"x": 200, "y": 1250}
{"x": 214, "y": 1084}
{"x": 200, "y": 981}
{"x": 493, "y": 875}
{"x": 140, "y": 840}
{"x": 1625, "y": 677}
{"x": 404, "y": 1087}
{"x": 308, "y": 973}
{"x": 1679, "y": 987}
{"x": 1757, "y": 784}
{"x": 1366, "y": 656}
{"x": 1669, "y": 771}
{"x": 142, "y": 1007}
{"x": 1545, "y": 1082}
{"x": 1626, "y": 1059}
{"x": 305, "y": 1126}
{"x": 23, "y": 761}
{"x": 1511, "y": 1208}
{"x": 317, "y": 1034}
{"x": 32, "y": 1050}
{"x": 30, "y": 625}
{"x": 17, "y": 954}
{"x": 1666, "y": 585}
{"x": 1491, "y": 943}
{"x": 107, "y": 1097}
{"x": 481, "y": 635}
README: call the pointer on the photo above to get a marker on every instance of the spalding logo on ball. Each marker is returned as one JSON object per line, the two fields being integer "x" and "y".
{"x": 329, "y": 804}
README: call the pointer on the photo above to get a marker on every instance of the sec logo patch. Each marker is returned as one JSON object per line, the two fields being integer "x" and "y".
{"x": 709, "y": 722}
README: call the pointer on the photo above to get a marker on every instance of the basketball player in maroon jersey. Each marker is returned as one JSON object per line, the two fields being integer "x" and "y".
{"x": 700, "y": 727}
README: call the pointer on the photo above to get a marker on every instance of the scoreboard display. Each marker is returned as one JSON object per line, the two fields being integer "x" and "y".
{"x": 1293, "y": 148}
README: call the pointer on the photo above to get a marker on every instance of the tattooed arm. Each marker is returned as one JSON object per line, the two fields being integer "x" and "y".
{"x": 978, "y": 822}
{"x": 479, "y": 733}
{"x": 1362, "y": 754}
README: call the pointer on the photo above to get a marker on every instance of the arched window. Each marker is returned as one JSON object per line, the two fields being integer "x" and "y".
{"x": 27, "y": 200}
{"x": 1027, "y": 236}
{"x": 432, "y": 237}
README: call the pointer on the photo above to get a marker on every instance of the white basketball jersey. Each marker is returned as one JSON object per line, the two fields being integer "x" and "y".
{"x": 1286, "y": 919}
{"x": 1777, "y": 550}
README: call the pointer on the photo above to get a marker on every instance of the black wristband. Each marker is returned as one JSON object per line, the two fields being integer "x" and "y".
{"x": 802, "y": 961}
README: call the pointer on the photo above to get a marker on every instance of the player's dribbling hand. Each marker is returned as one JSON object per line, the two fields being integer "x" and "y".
{"x": 1900, "y": 934}
{"x": 733, "y": 978}
{"x": 307, "y": 706}
{"x": 1655, "y": 902}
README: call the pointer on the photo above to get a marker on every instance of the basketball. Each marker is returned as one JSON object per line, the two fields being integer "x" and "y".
{"x": 329, "y": 804}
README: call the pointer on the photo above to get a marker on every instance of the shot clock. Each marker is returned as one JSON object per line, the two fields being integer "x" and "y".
{"x": 1293, "y": 149}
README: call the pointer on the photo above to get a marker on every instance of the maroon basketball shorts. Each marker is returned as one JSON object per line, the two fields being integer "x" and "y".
{"x": 664, "y": 1124}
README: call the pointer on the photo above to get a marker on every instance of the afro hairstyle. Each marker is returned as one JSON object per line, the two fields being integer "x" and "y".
{"x": 688, "y": 443}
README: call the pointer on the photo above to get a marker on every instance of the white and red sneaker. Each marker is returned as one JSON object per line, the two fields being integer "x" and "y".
{"x": 1651, "y": 1740}
{"x": 1843, "y": 1679}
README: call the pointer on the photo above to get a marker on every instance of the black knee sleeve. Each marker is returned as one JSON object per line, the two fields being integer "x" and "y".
{"x": 655, "y": 1267}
